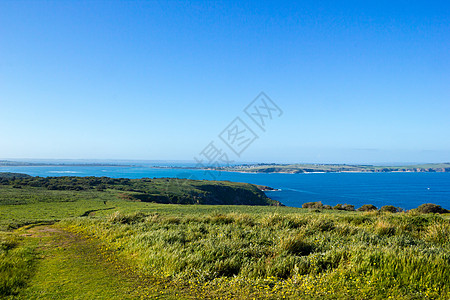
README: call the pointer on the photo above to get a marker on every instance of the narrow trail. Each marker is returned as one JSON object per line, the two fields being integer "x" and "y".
{"x": 70, "y": 267}
{"x": 88, "y": 212}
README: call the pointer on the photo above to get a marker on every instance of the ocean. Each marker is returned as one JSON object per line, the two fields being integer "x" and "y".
{"x": 405, "y": 190}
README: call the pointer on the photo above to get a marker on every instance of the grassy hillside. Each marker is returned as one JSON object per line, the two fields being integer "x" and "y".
{"x": 230, "y": 252}
{"x": 105, "y": 243}
{"x": 292, "y": 253}
{"x": 159, "y": 190}
{"x": 25, "y": 199}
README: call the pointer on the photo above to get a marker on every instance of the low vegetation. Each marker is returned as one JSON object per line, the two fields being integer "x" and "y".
{"x": 16, "y": 264}
{"x": 424, "y": 208}
{"x": 296, "y": 254}
{"x": 431, "y": 208}
{"x": 214, "y": 251}
{"x": 158, "y": 190}
{"x": 367, "y": 207}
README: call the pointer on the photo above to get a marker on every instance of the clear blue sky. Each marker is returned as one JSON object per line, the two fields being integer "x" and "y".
{"x": 358, "y": 81}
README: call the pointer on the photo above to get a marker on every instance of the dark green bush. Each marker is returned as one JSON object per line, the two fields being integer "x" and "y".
{"x": 431, "y": 208}
{"x": 389, "y": 208}
{"x": 313, "y": 205}
{"x": 347, "y": 207}
{"x": 338, "y": 207}
{"x": 367, "y": 207}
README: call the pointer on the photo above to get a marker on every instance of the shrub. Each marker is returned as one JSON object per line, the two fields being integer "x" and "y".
{"x": 431, "y": 208}
{"x": 389, "y": 208}
{"x": 338, "y": 207}
{"x": 347, "y": 207}
{"x": 314, "y": 205}
{"x": 367, "y": 207}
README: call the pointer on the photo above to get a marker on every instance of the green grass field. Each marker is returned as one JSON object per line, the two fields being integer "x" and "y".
{"x": 59, "y": 244}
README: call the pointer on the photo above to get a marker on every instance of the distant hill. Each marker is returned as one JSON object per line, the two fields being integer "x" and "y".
{"x": 8, "y": 163}
{"x": 158, "y": 190}
{"x": 334, "y": 168}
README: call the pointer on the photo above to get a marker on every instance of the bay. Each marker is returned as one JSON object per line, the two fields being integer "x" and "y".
{"x": 405, "y": 190}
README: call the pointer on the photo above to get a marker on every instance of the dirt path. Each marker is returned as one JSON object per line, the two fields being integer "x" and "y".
{"x": 70, "y": 267}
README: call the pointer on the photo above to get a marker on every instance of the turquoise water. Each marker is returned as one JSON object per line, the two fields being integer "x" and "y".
{"x": 406, "y": 190}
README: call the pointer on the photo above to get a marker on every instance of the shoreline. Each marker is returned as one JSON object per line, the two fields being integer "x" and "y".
{"x": 321, "y": 172}
{"x": 437, "y": 170}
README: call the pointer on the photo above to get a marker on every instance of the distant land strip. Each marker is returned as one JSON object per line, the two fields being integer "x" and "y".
{"x": 8, "y": 163}
{"x": 261, "y": 168}
{"x": 332, "y": 168}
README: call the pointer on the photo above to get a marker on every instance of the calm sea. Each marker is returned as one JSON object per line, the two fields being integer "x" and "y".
{"x": 406, "y": 190}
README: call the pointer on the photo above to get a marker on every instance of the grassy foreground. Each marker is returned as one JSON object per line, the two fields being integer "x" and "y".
{"x": 294, "y": 254}
{"x": 57, "y": 244}
{"x": 178, "y": 252}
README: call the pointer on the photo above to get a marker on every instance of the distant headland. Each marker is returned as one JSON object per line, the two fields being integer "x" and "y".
{"x": 249, "y": 168}
{"x": 9, "y": 163}
{"x": 332, "y": 168}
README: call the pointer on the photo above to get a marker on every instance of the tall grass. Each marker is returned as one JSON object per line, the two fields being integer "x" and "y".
{"x": 16, "y": 264}
{"x": 309, "y": 255}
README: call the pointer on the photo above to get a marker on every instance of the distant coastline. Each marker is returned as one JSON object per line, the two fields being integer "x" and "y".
{"x": 332, "y": 168}
{"x": 7, "y": 163}
{"x": 256, "y": 168}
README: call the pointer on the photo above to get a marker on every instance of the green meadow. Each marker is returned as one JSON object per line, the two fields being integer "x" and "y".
{"x": 105, "y": 243}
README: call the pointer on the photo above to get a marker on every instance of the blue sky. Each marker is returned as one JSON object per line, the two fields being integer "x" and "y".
{"x": 358, "y": 81}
